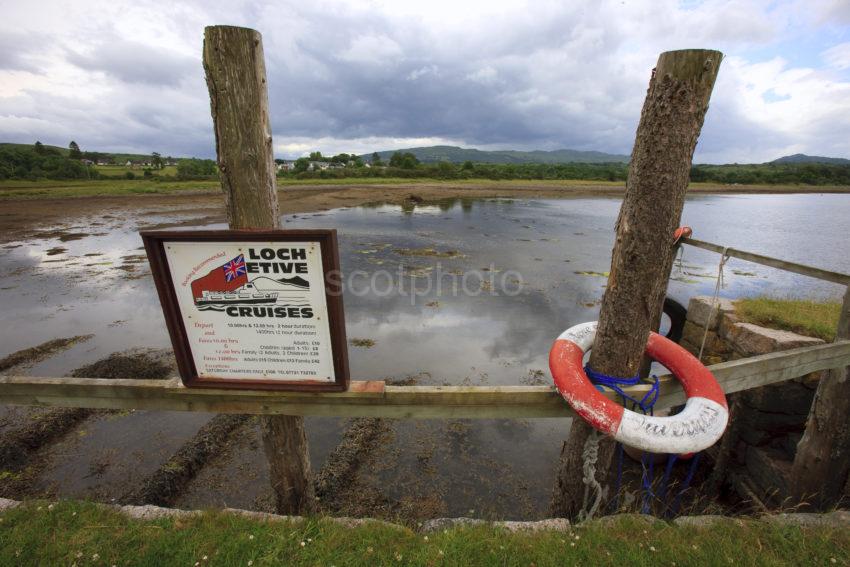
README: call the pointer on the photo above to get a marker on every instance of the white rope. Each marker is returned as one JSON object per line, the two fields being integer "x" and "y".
{"x": 589, "y": 456}
{"x": 679, "y": 261}
{"x": 723, "y": 258}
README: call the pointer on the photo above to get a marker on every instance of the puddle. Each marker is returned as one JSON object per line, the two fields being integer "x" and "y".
{"x": 456, "y": 292}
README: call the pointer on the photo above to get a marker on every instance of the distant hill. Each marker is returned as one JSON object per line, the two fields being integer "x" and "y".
{"x": 433, "y": 154}
{"x": 116, "y": 157}
{"x": 11, "y": 146}
{"x": 803, "y": 158}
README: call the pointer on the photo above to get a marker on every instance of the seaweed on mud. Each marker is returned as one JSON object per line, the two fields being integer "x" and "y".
{"x": 361, "y": 437}
{"x": 41, "y": 352}
{"x": 165, "y": 485}
{"x": 19, "y": 448}
{"x": 143, "y": 365}
{"x": 428, "y": 252}
{"x": 535, "y": 377}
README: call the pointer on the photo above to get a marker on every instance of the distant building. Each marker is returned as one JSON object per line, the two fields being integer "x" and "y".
{"x": 314, "y": 165}
{"x": 286, "y": 165}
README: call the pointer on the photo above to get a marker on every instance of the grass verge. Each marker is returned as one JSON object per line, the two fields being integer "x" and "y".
{"x": 805, "y": 317}
{"x": 80, "y": 533}
{"x": 97, "y": 188}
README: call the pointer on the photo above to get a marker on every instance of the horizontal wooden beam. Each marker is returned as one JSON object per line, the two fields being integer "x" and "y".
{"x": 376, "y": 399}
{"x": 818, "y": 273}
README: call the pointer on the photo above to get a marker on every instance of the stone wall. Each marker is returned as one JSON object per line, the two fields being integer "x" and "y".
{"x": 756, "y": 452}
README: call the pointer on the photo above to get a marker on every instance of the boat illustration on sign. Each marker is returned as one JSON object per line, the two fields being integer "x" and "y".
{"x": 247, "y": 294}
{"x": 229, "y": 285}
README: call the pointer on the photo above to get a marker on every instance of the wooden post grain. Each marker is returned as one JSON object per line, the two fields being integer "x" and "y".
{"x": 670, "y": 123}
{"x": 820, "y": 475}
{"x": 236, "y": 79}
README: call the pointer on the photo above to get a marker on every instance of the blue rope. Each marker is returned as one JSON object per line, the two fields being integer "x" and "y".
{"x": 685, "y": 484}
{"x": 646, "y": 405}
{"x": 646, "y": 482}
{"x": 671, "y": 459}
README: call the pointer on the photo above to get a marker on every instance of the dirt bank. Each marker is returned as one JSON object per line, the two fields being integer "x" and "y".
{"x": 19, "y": 215}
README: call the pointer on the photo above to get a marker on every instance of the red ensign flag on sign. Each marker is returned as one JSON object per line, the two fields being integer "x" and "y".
{"x": 228, "y": 277}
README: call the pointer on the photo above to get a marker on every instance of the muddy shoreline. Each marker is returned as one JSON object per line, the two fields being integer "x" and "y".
{"x": 76, "y": 266}
{"x": 21, "y": 213}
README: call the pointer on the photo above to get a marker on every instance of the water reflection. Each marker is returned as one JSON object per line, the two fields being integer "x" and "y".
{"x": 98, "y": 284}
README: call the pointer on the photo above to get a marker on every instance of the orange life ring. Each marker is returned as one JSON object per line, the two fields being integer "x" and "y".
{"x": 698, "y": 426}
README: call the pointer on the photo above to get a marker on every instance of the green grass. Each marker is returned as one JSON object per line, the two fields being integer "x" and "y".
{"x": 117, "y": 170}
{"x": 91, "y": 188}
{"x": 811, "y": 318}
{"x": 87, "y": 534}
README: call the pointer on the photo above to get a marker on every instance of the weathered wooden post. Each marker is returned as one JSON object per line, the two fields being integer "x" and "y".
{"x": 820, "y": 476}
{"x": 236, "y": 79}
{"x": 670, "y": 123}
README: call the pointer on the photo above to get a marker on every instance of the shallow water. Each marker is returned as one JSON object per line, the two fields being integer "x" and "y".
{"x": 498, "y": 332}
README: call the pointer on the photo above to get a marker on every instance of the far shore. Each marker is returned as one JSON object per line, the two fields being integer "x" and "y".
{"x": 360, "y": 191}
{"x": 45, "y": 202}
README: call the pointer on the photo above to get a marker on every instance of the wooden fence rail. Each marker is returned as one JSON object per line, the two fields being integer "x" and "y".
{"x": 812, "y": 272}
{"x": 377, "y": 399}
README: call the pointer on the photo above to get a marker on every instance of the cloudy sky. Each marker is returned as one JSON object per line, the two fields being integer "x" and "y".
{"x": 374, "y": 75}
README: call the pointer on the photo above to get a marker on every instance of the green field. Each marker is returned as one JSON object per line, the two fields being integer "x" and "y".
{"x": 66, "y": 533}
{"x": 13, "y": 189}
{"x": 120, "y": 170}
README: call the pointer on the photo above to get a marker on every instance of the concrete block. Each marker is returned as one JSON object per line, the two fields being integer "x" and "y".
{"x": 700, "y": 309}
{"x": 438, "y": 524}
{"x": 836, "y": 519}
{"x": 706, "y": 521}
{"x": 752, "y": 340}
{"x": 727, "y": 321}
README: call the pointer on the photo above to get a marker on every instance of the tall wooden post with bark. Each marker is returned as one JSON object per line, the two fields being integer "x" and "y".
{"x": 670, "y": 123}
{"x": 236, "y": 79}
{"x": 820, "y": 476}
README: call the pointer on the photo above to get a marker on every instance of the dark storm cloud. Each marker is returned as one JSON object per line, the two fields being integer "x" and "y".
{"x": 350, "y": 79}
{"x": 560, "y": 75}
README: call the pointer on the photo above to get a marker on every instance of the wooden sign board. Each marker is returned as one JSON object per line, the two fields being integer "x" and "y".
{"x": 253, "y": 309}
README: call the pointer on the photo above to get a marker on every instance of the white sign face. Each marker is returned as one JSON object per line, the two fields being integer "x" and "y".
{"x": 254, "y": 310}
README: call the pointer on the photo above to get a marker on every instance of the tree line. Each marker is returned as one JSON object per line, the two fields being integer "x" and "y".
{"x": 406, "y": 165}
{"x": 43, "y": 162}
